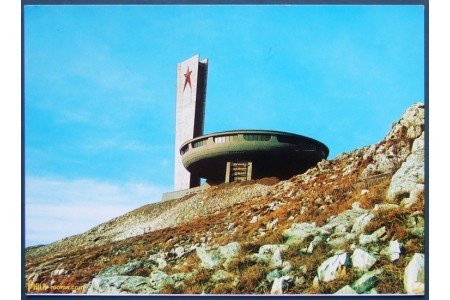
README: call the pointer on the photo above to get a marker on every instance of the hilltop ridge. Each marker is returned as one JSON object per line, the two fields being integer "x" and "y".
{"x": 353, "y": 224}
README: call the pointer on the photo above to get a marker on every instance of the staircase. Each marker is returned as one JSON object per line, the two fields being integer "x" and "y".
{"x": 238, "y": 171}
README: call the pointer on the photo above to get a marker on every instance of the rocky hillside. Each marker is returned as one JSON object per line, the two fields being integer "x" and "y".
{"x": 351, "y": 225}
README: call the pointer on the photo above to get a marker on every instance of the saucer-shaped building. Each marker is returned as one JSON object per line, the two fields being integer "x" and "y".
{"x": 250, "y": 154}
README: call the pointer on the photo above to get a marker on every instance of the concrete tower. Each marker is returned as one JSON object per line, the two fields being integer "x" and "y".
{"x": 190, "y": 113}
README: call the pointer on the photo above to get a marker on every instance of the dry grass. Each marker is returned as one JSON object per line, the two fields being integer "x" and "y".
{"x": 391, "y": 280}
{"x": 251, "y": 279}
{"x": 197, "y": 283}
{"x": 170, "y": 289}
{"x": 347, "y": 276}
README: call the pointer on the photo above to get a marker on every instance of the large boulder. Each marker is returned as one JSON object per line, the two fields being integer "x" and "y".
{"x": 362, "y": 261}
{"x": 387, "y": 155}
{"x": 301, "y": 231}
{"x": 393, "y": 251}
{"x": 345, "y": 220}
{"x": 270, "y": 254}
{"x": 222, "y": 255}
{"x": 119, "y": 270}
{"x": 414, "y": 277}
{"x": 120, "y": 285}
{"x": 372, "y": 238}
{"x": 278, "y": 285}
{"x": 361, "y": 222}
{"x": 346, "y": 290}
{"x": 367, "y": 281}
{"x": 158, "y": 279}
{"x": 408, "y": 182}
{"x": 329, "y": 269}
{"x": 108, "y": 283}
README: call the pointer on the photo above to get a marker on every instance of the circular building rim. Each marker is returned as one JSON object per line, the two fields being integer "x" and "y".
{"x": 198, "y": 139}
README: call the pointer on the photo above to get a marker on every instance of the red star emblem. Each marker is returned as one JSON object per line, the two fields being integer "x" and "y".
{"x": 188, "y": 79}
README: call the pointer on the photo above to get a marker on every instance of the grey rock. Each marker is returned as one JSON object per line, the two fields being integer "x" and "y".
{"x": 328, "y": 270}
{"x": 271, "y": 248}
{"x": 418, "y": 231}
{"x": 34, "y": 277}
{"x": 315, "y": 282}
{"x": 273, "y": 275}
{"x": 324, "y": 165}
{"x": 317, "y": 240}
{"x": 278, "y": 285}
{"x": 57, "y": 272}
{"x": 270, "y": 254}
{"x": 367, "y": 281}
{"x": 276, "y": 260}
{"x": 345, "y": 220}
{"x": 393, "y": 251}
{"x": 383, "y": 164}
{"x": 372, "y": 238}
{"x": 231, "y": 226}
{"x": 385, "y": 207}
{"x": 254, "y": 219}
{"x": 180, "y": 276}
{"x": 416, "y": 224}
{"x": 346, "y": 290}
{"x": 336, "y": 240}
{"x": 371, "y": 292}
{"x": 412, "y": 120}
{"x": 362, "y": 261}
{"x": 158, "y": 279}
{"x": 178, "y": 251}
{"x": 222, "y": 255}
{"x": 230, "y": 250}
{"x": 361, "y": 222}
{"x": 158, "y": 259}
{"x": 408, "y": 182}
{"x": 416, "y": 220}
{"x": 121, "y": 285}
{"x": 120, "y": 270}
{"x": 300, "y": 231}
{"x": 368, "y": 171}
{"x": 209, "y": 258}
{"x": 414, "y": 276}
{"x": 364, "y": 192}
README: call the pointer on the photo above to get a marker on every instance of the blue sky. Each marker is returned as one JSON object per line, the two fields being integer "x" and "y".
{"x": 100, "y": 92}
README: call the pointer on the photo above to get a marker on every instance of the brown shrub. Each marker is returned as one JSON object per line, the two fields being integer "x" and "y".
{"x": 141, "y": 271}
{"x": 139, "y": 250}
{"x": 251, "y": 278}
{"x": 190, "y": 263}
{"x": 393, "y": 220}
{"x": 391, "y": 280}
{"x": 197, "y": 283}
{"x": 201, "y": 277}
{"x": 170, "y": 289}
{"x": 414, "y": 245}
{"x": 272, "y": 237}
{"x": 119, "y": 259}
{"x": 268, "y": 181}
